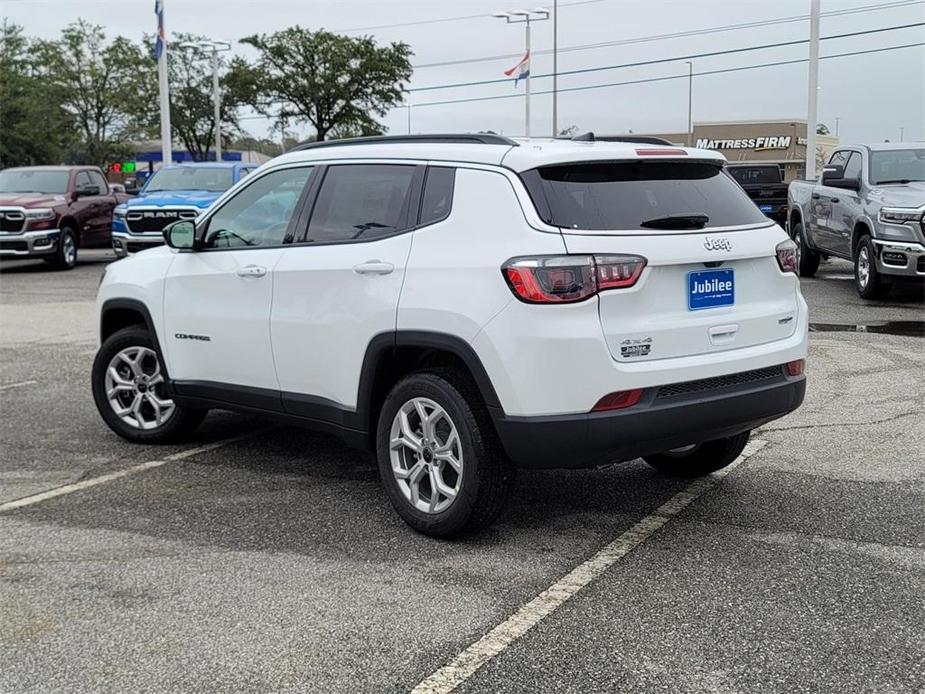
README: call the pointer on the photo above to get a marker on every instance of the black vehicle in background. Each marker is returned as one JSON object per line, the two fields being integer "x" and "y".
{"x": 764, "y": 184}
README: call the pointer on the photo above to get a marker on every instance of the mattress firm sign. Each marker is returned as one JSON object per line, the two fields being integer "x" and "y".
{"x": 757, "y": 144}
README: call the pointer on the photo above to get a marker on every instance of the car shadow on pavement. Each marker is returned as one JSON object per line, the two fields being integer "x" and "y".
{"x": 294, "y": 491}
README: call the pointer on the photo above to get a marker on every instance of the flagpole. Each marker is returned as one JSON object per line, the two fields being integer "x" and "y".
{"x": 166, "y": 146}
{"x": 527, "y": 115}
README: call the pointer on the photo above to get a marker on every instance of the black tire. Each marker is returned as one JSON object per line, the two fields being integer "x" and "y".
{"x": 701, "y": 459}
{"x": 809, "y": 259}
{"x": 486, "y": 477}
{"x": 874, "y": 286}
{"x": 65, "y": 256}
{"x": 179, "y": 425}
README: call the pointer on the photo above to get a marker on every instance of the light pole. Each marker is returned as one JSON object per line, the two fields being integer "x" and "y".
{"x": 525, "y": 17}
{"x": 215, "y": 47}
{"x": 837, "y": 118}
{"x": 813, "y": 88}
{"x": 690, "y": 102}
{"x": 555, "y": 68}
{"x": 901, "y": 132}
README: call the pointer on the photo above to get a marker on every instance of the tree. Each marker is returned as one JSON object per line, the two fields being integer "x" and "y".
{"x": 337, "y": 84}
{"x": 102, "y": 85}
{"x": 822, "y": 129}
{"x": 34, "y": 128}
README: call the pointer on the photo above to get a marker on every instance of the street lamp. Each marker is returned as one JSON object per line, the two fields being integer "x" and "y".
{"x": 215, "y": 47}
{"x": 690, "y": 102}
{"x": 525, "y": 17}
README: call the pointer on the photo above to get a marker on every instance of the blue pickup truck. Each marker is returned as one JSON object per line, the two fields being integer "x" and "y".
{"x": 181, "y": 191}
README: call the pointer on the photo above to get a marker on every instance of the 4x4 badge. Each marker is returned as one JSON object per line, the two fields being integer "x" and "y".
{"x": 720, "y": 244}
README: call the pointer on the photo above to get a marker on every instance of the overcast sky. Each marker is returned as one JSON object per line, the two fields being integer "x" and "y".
{"x": 873, "y": 95}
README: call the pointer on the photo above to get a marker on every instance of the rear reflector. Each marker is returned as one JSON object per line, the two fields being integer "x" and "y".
{"x": 795, "y": 368}
{"x": 666, "y": 152}
{"x": 618, "y": 401}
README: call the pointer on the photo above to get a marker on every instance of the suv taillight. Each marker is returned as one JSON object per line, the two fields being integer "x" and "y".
{"x": 787, "y": 256}
{"x": 562, "y": 279}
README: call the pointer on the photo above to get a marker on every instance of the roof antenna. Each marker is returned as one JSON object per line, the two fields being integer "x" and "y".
{"x": 584, "y": 137}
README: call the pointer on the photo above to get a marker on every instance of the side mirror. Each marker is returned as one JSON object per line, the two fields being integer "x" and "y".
{"x": 832, "y": 173}
{"x": 85, "y": 191}
{"x": 181, "y": 235}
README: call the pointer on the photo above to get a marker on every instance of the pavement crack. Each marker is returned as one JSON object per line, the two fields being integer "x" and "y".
{"x": 843, "y": 424}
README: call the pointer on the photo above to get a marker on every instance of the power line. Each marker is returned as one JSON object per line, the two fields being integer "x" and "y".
{"x": 449, "y": 19}
{"x": 672, "y": 77}
{"x": 680, "y": 34}
{"x": 671, "y": 60}
{"x": 607, "y": 85}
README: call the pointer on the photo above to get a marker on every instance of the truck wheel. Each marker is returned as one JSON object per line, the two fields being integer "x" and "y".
{"x": 807, "y": 258}
{"x": 440, "y": 461}
{"x": 129, "y": 391}
{"x": 701, "y": 459}
{"x": 65, "y": 258}
{"x": 867, "y": 280}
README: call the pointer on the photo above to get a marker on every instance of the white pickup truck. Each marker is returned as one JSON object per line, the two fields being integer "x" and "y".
{"x": 868, "y": 207}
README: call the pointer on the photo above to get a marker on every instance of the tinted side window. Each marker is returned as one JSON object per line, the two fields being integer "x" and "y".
{"x": 438, "y": 194}
{"x": 360, "y": 202}
{"x": 259, "y": 214}
{"x": 840, "y": 158}
{"x": 97, "y": 180}
{"x": 853, "y": 169}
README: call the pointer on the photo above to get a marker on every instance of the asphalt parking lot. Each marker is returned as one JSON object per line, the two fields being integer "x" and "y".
{"x": 267, "y": 559}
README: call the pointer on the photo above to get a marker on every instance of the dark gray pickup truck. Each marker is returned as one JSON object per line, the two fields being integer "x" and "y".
{"x": 765, "y": 185}
{"x": 867, "y": 207}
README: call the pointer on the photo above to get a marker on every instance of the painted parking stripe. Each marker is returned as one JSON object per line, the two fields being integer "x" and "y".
{"x": 103, "y": 479}
{"x": 9, "y": 386}
{"x": 496, "y": 641}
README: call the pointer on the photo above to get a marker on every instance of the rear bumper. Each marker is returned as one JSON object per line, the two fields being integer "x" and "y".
{"x": 897, "y": 258}
{"x": 29, "y": 244}
{"x": 658, "y": 423}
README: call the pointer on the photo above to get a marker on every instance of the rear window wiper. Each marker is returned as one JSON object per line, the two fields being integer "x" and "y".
{"x": 676, "y": 221}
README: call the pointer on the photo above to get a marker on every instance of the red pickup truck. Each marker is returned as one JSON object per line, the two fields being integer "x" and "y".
{"x": 49, "y": 212}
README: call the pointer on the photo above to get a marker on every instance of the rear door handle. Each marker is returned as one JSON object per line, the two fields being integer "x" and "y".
{"x": 373, "y": 267}
{"x": 252, "y": 271}
{"x": 815, "y": 196}
{"x": 834, "y": 199}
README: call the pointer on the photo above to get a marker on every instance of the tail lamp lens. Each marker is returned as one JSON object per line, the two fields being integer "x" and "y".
{"x": 795, "y": 367}
{"x": 787, "y": 256}
{"x": 562, "y": 279}
{"x": 618, "y": 401}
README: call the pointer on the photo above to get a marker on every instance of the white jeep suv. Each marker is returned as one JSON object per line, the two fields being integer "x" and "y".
{"x": 463, "y": 305}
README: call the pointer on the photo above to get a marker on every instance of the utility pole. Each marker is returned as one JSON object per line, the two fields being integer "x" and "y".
{"x": 409, "y": 117}
{"x": 813, "y": 96}
{"x": 525, "y": 17}
{"x": 214, "y": 47}
{"x": 555, "y": 68}
{"x": 160, "y": 50}
{"x": 690, "y": 103}
{"x": 901, "y": 132}
{"x": 837, "y": 118}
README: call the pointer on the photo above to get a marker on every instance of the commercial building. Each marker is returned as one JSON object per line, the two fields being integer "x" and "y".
{"x": 781, "y": 142}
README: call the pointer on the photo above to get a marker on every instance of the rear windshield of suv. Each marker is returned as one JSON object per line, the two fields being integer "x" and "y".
{"x": 208, "y": 178}
{"x": 642, "y": 195}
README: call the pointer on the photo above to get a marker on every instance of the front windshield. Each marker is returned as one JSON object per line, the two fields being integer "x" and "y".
{"x": 31, "y": 181}
{"x": 191, "y": 178}
{"x": 897, "y": 166}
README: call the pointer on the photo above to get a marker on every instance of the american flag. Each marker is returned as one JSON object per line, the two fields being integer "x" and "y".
{"x": 161, "y": 38}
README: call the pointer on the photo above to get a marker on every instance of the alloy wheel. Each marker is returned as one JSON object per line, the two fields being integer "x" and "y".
{"x": 69, "y": 250}
{"x": 135, "y": 388}
{"x": 426, "y": 455}
{"x": 863, "y": 267}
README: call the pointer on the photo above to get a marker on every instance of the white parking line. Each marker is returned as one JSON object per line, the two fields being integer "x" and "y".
{"x": 8, "y": 386}
{"x": 103, "y": 479}
{"x": 467, "y": 663}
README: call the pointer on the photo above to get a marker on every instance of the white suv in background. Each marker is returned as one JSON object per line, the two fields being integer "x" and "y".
{"x": 464, "y": 305}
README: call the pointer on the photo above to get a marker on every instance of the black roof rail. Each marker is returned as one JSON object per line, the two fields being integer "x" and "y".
{"x": 462, "y": 138}
{"x": 634, "y": 139}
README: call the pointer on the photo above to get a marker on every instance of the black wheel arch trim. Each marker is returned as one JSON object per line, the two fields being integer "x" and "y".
{"x": 140, "y": 308}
